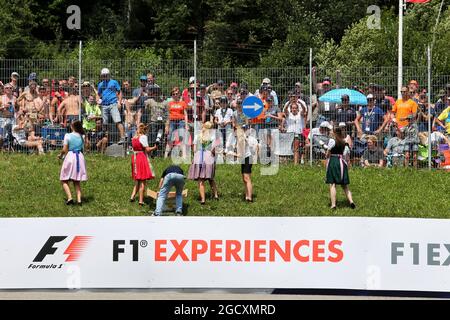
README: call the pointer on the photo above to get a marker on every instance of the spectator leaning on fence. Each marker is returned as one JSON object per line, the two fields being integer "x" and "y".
{"x": 318, "y": 137}
{"x": 394, "y": 151}
{"x": 177, "y": 123}
{"x": 92, "y": 124}
{"x": 32, "y": 78}
{"x": 234, "y": 89}
{"x": 443, "y": 102}
{"x": 42, "y": 103}
{"x": 70, "y": 107}
{"x": 158, "y": 117}
{"x": 259, "y": 121}
{"x": 370, "y": 119}
{"x": 16, "y": 90}
{"x": 411, "y": 143}
{"x": 207, "y": 103}
{"x": 24, "y": 135}
{"x": 294, "y": 122}
{"x": 7, "y": 114}
{"x": 223, "y": 119}
{"x": 27, "y": 103}
{"x": 110, "y": 95}
{"x": 422, "y": 113}
{"x": 140, "y": 95}
{"x": 403, "y": 108}
{"x": 443, "y": 119}
{"x": 274, "y": 116}
{"x": 326, "y": 110}
{"x": 266, "y": 83}
{"x": 57, "y": 97}
{"x": 413, "y": 88}
{"x": 298, "y": 92}
{"x": 346, "y": 114}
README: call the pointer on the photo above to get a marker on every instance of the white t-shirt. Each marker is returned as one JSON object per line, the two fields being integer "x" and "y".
{"x": 295, "y": 123}
{"x": 301, "y": 105}
{"x": 143, "y": 139}
{"x": 223, "y": 116}
{"x": 331, "y": 144}
{"x": 314, "y": 132}
{"x": 20, "y": 135}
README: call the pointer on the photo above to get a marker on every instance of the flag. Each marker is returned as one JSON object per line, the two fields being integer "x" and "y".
{"x": 417, "y": 1}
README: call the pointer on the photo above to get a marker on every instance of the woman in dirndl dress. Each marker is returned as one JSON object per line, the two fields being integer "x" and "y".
{"x": 74, "y": 165}
{"x": 204, "y": 165}
{"x": 337, "y": 169}
{"x": 141, "y": 170}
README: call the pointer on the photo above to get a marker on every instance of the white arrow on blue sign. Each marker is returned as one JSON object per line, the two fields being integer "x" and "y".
{"x": 252, "y": 107}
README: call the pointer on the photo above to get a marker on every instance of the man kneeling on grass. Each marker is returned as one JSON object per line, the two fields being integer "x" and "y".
{"x": 173, "y": 176}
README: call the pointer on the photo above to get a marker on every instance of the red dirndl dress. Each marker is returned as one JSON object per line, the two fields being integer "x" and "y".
{"x": 140, "y": 165}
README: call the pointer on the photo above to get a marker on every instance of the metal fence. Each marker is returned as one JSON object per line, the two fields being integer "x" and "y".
{"x": 36, "y": 123}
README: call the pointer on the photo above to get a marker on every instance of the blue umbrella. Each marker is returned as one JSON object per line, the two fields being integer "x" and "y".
{"x": 335, "y": 95}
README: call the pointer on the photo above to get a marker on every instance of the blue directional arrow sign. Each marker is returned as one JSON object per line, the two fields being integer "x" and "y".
{"x": 252, "y": 107}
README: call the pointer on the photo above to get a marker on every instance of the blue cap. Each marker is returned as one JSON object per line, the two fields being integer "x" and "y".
{"x": 143, "y": 78}
{"x": 32, "y": 76}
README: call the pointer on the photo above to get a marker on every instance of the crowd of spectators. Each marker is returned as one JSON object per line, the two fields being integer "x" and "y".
{"x": 385, "y": 132}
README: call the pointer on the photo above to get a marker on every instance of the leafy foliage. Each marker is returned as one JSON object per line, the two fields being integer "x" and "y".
{"x": 230, "y": 33}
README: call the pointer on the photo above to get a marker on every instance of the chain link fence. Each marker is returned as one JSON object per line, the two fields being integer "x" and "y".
{"x": 42, "y": 97}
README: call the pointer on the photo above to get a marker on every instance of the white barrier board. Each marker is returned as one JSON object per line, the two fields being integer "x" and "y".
{"x": 171, "y": 252}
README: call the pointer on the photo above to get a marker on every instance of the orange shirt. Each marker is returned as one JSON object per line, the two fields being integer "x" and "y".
{"x": 402, "y": 109}
{"x": 176, "y": 110}
{"x": 262, "y": 117}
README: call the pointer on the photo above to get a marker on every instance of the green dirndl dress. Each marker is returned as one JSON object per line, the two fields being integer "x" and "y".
{"x": 337, "y": 169}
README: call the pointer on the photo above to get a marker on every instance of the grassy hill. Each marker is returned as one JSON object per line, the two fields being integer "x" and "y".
{"x": 30, "y": 187}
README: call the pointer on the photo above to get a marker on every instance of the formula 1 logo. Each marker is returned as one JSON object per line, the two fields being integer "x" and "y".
{"x": 73, "y": 251}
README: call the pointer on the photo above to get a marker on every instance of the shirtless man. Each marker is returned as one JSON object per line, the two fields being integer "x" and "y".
{"x": 42, "y": 104}
{"x": 27, "y": 104}
{"x": 71, "y": 82}
{"x": 57, "y": 97}
{"x": 70, "y": 108}
{"x": 25, "y": 135}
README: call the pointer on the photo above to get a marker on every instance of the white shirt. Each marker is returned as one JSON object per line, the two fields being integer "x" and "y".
{"x": 295, "y": 123}
{"x": 223, "y": 116}
{"x": 19, "y": 134}
{"x": 314, "y": 132}
{"x": 143, "y": 139}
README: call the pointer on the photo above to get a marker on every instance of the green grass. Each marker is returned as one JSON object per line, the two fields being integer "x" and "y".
{"x": 29, "y": 187}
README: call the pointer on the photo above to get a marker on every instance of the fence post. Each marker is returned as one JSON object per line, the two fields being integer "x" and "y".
{"x": 79, "y": 80}
{"x": 429, "y": 106}
{"x": 310, "y": 106}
